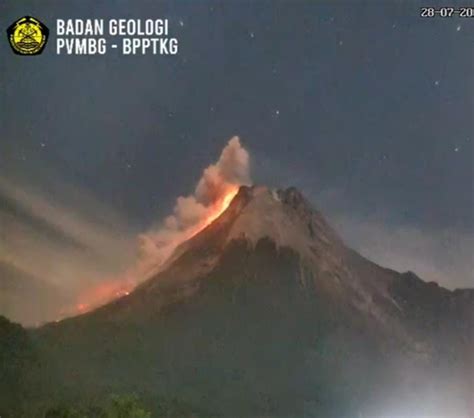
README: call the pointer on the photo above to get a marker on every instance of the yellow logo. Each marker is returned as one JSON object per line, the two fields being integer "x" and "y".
{"x": 27, "y": 36}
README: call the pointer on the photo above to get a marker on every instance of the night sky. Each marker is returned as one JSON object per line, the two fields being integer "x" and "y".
{"x": 365, "y": 106}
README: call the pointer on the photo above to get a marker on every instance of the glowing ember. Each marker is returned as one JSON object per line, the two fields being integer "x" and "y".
{"x": 103, "y": 293}
{"x": 109, "y": 290}
{"x": 212, "y": 195}
{"x": 219, "y": 207}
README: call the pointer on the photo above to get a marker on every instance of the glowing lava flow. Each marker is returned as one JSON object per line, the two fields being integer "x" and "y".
{"x": 218, "y": 208}
{"x": 109, "y": 290}
{"x": 103, "y": 293}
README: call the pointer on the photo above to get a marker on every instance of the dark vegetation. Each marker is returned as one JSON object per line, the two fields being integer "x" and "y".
{"x": 251, "y": 338}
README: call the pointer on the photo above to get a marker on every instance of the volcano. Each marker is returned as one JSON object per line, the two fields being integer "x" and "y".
{"x": 267, "y": 313}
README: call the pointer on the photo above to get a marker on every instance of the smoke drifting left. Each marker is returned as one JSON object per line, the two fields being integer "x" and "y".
{"x": 91, "y": 262}
{"x": 213, "y": 193}
{"x": 54, "y": 244}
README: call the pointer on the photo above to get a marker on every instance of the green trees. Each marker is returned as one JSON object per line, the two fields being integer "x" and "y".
{"x": 123, "y": 406}
{"x": 63, "y": 412}
{"x": 126, "y": 406}
{"x": 17, "y": 358}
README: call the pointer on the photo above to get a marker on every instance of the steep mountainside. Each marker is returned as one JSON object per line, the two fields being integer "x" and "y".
{"x": 267, "y": 313}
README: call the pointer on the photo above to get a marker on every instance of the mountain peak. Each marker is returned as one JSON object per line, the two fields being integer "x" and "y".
{"x": 282, "y": 215}
{"x": 292, "y": 196}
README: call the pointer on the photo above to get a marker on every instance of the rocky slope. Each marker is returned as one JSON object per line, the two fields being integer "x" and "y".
{"x": 267, "y": 313}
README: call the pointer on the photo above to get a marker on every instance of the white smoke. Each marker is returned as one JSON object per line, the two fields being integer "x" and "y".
{"x": 190, "y": 213}
{"x": 90, "y": 256}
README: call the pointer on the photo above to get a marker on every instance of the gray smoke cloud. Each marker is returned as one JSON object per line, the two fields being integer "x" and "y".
{"x": 82, "y": 252}
{"x": 51, "y": 251}
{"x": 218, "y": 184}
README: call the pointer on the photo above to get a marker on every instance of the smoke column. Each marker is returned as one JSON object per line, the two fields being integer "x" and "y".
{"x": 215, "y": 189}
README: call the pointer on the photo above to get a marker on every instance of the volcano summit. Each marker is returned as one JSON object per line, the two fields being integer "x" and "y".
{"x": 267, "y": 313}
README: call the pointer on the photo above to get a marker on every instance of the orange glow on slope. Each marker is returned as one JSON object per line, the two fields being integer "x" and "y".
{"x": 214, "y": 211}
{"x": 219, "y": 207}
{"x": 110, "y": 290}
{"x": 100, "y": 295}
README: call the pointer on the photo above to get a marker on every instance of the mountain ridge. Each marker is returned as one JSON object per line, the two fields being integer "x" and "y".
{"x": 266, "y": 312}
{"x": 323, "y": 255}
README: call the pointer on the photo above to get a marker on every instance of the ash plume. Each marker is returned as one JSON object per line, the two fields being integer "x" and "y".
{"x": 215, "y": 189}
{"x": 92, "y": 260}
{"x": 218, "y": 184}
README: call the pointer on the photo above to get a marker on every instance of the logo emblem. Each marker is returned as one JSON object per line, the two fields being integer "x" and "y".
{"x": 27, "y": 36}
